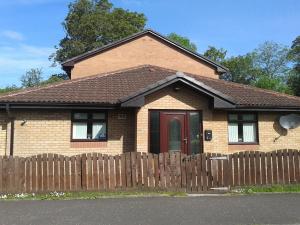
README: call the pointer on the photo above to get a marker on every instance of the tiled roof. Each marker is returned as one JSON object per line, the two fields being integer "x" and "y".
{"x": 110, "y": 88}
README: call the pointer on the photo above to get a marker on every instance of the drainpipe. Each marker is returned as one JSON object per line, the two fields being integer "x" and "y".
{"x": 12, "y": 129}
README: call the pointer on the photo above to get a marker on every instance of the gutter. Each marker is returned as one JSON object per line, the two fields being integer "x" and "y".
{"x": 12, "y": 129}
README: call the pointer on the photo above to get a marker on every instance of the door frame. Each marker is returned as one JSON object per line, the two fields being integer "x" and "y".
{"x": 201, "y": 150}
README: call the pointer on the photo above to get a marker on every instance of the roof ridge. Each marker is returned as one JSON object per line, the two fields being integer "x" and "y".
{"x": 32, "y": 89}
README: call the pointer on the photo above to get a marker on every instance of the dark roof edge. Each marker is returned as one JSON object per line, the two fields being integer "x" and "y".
{"x": 15, "y": 105}
{"x": 70, "y": 62}
{"x": 179, "y": 76}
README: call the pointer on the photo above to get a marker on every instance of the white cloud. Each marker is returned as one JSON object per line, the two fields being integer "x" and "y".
{"x": 12, "y": 35}
{"x": 16, "y": 59}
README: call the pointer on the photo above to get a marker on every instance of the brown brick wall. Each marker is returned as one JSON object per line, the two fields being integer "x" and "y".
{"x": 144, "y": 50}
{"x": 50, "y": 132}
{"x": 269, "y": 131}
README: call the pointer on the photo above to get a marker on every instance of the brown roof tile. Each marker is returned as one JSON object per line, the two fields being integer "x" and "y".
{"x": 109, "y": 88}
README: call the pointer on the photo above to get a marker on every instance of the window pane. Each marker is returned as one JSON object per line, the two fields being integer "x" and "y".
{"x": 233, "y": 117}
{"x": 174, "y": 128}
{"x": 248, "y": 117}
{"x": 194, "y": 133}
{"x": 233, "y": 132}
{"x": 154, "y": 133}
{"x": 99, "y": 130}
{"x": 249, "y": 132}
{"x": 80, "y": 116}
{"x": 99, "y": 116}
{"x": 79, "y": 130}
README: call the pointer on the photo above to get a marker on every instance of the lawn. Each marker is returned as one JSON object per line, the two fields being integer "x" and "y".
{"x": 268, "y": 189}
{"x": 89, "y": 195}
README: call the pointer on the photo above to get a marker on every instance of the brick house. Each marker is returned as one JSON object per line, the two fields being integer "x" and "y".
{"x": 130, "y": 96}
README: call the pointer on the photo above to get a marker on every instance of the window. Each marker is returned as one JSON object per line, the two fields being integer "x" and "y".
{"x": 242, "y": 128}
{"x": 88, "y": 126}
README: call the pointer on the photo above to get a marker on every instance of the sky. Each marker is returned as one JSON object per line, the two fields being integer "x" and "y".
{"x": 30, "y": 29}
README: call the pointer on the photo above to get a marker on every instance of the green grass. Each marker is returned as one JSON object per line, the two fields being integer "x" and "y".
{"x": 91, "y": 195}
{"x": 268, "y": 189}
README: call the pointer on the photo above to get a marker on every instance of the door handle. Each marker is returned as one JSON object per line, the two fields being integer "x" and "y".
{"x": 185, "y": 140}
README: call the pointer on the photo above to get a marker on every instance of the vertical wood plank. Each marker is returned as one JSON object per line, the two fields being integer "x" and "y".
{"x": 89, "y": 171}
{"x": 1, "y": 172}
{"x": 291, "y": 166}
{"x": 78, "y": 173}
{"x": 199, "y": 173}
{"x": 151, "y": 170}
{"x": 162, "y": 183}
{"x": 51, "y": 172}
{"x": 172, "y": 170}
{"x": 67, "y": 173}
{"x": 156, "y": 170}
{"x": 178, "y": 171}
{"x": 27, "y": 175}
{"x": 133, "y": 169}
{"x": 101, "y": 172}
{"x": 112, "y": 181}
{"x": 241, "y": 168}
{"x": 56, "y": 172}
{"x": 297, "y": 165}
{"x": 257, "y": 168}
{"x": 167, "y": 169}
{"x": 269, "y": 168}
{"x": 285, "y": 166}
{"x": 275, "y": 167}
{"x": 22, "y": 175}
{"x": 73, "y": 173}
{"x": 106, "y": 172}
{"x": 263, "y": 168}
{"x": 17, "y": 174}
{"x": 123, "y": 170}
{"x": 118, "y": 173}
{"x": 145, "y": 170}
{"x": 252, "y": 168}
{"x": 204, "y": 172}
{"x": 128, "y": 170}
{"x": 236, "y": 168}
{"x": 194, "y": 173}
{"x": 188, "y": 174}
{"x": 45, "y": 173}
{"x": 95, "y": 171}
{"x": 280, "y": 167}
{"x": 139, "y": 168}
{"x": 39, "y": 172}
{"x": 83, "y": 172}
{"x": 247, "y": 169}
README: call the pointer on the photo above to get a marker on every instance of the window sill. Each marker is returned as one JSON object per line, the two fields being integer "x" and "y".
{"x": 87, "y": 140}
{"x": 243, "y": 143}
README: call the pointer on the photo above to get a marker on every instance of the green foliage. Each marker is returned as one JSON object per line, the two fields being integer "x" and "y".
{"x": 272, "y": 59}
{"x": 275, "y": 84}
{"x": 31, "y": 78}
{"x": 216, "y": 55}
{"x": 183, "y": 41}
{"x": 94, "y": 23}
{"x": 241, "y": 69}
{"x": 294, "y": 54}
{"x": 9, "y": 89}
{"x": 294, "y": 82}
{"x": 292, "y": 188}
{"x": 55, "y": 78}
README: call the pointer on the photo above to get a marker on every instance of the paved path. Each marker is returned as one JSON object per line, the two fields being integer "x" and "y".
{"x": 231, "y": 210}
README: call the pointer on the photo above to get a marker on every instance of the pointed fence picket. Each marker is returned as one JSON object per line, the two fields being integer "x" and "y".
{"x": 135, "y": 170}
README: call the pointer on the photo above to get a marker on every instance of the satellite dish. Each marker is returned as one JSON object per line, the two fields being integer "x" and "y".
{"x": 290, "y": 121}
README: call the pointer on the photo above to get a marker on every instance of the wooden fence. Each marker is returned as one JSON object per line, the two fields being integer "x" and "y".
{"x": 197, "y": 173}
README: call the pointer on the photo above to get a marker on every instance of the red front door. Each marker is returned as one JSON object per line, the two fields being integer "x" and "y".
{"x": 173, "y": 132}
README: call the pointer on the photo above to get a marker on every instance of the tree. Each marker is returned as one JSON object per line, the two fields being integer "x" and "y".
{"x": 216, "y": 55}
{"x": 294, "y": 77}
{"x": 241, "y": 69}
{"x": 272, "y": 59}
{"x": 183, "y": 41}
{"x": 294, "y": 54}
{"x": 55, "y": 78}
{"x": 31, "y": 78}
{"x": 9, "y": 89}
{"x": 275, "y": 84}
{"x": 94, "y": 23}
